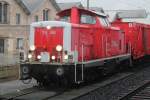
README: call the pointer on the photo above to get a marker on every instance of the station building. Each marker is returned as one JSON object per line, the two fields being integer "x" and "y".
{"x": 15, "y": 18}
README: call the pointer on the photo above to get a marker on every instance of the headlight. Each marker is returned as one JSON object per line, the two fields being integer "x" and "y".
{"x": 29, "y": 56}
{"x": 58, "y": 48}
{"x": 65, "y": 57}
{"x": 48, "y": 27}
{"x": 53, "y": 57}
{"x": 32, "y": 48}
{"x": 38, "y": 57}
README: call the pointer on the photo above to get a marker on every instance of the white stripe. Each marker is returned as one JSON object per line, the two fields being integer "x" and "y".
{"x": 127, "y": 56}
{"x": 67, "y": 32}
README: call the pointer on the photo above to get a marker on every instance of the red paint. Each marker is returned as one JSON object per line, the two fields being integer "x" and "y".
{"x": 74, "y": 15}
{"x": 48, "y": 39}
{"x": 147, "y": 40}
{"x": 137, "y": 35}
{"x": 98, "y": 40}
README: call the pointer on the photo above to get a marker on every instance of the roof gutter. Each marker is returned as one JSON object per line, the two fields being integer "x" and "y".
{"x": 55, "y": 5}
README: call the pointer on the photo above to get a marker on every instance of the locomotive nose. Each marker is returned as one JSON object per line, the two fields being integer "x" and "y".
{"x": 49, "y": 40}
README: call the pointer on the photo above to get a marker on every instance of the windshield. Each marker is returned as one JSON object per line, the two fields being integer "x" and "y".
{"x": 65, "y": 19}
{"x": 87, "y": 19}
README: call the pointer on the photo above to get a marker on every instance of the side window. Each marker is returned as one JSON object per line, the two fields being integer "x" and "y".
{"x": 107, "y": 21}
{"x": 65, "y": 19}
{"x": 46, "y": 15}
{"x": 104, "y": 21}
{"x": 1, "y": 45}
{"x": 36, "y": 18}
{"x": 4, "y": 12}
{"x": 18, "y": 18}
{"x": 19, "y": 43}
{"x": 87, "y": 19}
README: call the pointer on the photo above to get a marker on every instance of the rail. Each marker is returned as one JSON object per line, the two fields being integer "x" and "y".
{"x": 32, "y": 94}
{"x": 134, "y": 92}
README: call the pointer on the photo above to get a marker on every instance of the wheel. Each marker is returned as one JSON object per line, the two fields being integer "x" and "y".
{"x": 64, "y": 82}
{"x": 27, "y": 81}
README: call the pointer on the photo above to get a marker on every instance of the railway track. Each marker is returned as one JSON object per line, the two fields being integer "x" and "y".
{"x": 116, "y": 87}
{"x": 140, "y": 93}
{"x": 32, "y": 94}
{"x": 13, "y": 95}
{"x": 41, "y": 95}
{"x": 61, "y": 94}
{"x": 143, "y": 95}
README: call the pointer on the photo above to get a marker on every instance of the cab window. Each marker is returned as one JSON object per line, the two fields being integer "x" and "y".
{"x": 104, "y": 21}
{"x": 65, "y": 19}
{"x": 87, "y": 19}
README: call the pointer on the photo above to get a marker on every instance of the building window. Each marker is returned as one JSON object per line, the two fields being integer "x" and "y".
{"x": 18, "y": 18}
{"x": 20, "y": 43}
{"x": 1, "y": 13}
{"x": 1, "y": 45}
{"x": 46, "y": 14}
{"x": 36, "y": 18}
{"x": 4, "y": 12}
{"x": 21, "y": 55}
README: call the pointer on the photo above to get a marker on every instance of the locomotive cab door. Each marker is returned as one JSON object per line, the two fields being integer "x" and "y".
{"x": 85, "y": 48}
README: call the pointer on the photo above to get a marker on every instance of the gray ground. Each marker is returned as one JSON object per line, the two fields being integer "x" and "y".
{"x": 16, "y": 85}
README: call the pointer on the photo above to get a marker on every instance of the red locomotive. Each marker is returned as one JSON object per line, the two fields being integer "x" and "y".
{"x": 80, "y": 46}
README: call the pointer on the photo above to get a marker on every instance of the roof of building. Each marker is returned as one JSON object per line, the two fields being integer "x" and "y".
{"x": 97, "y": 9}
{"x": 68, "y": 5}
{"x": 138, "y": 15}
{"x": 29, "y": 6}
{"x": 112, "y": 7}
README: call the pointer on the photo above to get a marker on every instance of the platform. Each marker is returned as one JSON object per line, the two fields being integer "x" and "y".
{"x": 12, "y": 86}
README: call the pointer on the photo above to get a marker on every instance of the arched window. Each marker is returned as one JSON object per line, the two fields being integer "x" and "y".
{"x": 4, "y": 12}
{"x": 46, "y": 14}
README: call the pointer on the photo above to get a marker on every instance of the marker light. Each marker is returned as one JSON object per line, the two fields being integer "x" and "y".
{"x": 32, "y": 48}
{"x": 29, "y": 56}
{"x": 48, "y": 27}
{"x": 58, "y": 48}
{"x": 53, "y": 57}
{"x": 65, "y": 57}
{"x": 57, "y": 17}
{"x": 38, "y": 57}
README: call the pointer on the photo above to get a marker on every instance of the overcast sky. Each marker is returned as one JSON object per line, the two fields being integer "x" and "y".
{"x": 115, "y": 4}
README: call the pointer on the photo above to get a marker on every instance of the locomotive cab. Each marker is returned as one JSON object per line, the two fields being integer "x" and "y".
{"x": 74, "y": 48}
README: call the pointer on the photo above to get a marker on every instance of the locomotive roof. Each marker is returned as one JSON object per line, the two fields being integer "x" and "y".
{"x": 84, "y": 10}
